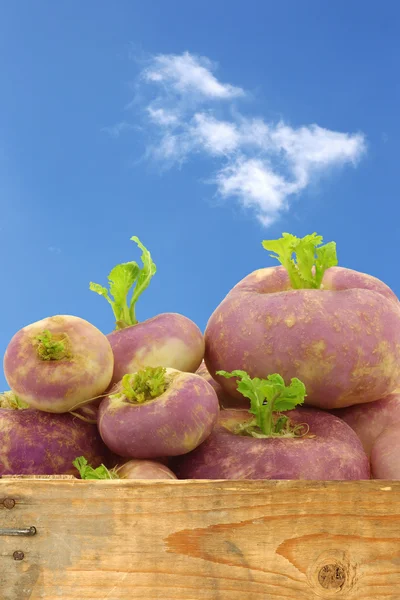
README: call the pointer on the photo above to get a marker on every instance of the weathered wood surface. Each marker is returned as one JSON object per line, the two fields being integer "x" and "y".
{"x": 231, "y": 540}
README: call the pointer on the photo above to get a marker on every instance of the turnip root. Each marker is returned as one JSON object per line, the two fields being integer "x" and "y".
{"x": 166, "y": 340}
{"x": 34, "y": 442}
{"x": 132, "y": 469}
{"x": 305, "y": 443}
{"x": 371, "y": 419}
{"x": 385, "y": 454}
{"x": 58, "y": 363}
{"x": 336, "y": 329}
{"x": 157, "y": 412}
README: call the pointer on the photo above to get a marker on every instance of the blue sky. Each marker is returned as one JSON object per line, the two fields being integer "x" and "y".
{"x": 199, "y": 129}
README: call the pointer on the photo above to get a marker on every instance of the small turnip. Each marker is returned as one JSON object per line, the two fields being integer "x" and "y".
{"x": 304, "y": 443}
{"x": 132, "y": 469}
{"x": 157, "y": 412}
{"x": 58, "y": 363}
{"x": 167, "y": 340}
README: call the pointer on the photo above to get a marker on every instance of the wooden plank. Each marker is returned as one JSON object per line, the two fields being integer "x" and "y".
{"x": 192, "y": 540}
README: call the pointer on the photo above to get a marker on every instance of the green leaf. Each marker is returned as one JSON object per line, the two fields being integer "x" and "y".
{"x": 121, "y": 280}
{"x": 290, "y": 396}
{"x": 87, "y": 472}
{"x": 326, "y": 258}
{"x": 307, "y": 271}
{"x": 144, "y": 275}
{"x": 268, "y": 396}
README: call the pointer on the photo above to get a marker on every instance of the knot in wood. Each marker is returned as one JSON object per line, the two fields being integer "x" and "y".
{"x": 332, "y": 576}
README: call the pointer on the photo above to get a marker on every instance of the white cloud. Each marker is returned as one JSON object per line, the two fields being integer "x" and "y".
{"x": 216, "y": 137}
{"x": 161, "y": 116}
{"x": 261, "y": 164}
{"x": 187, "y": 73}
{"x": 256, "y": 184}
{"x": 313, "y": 145}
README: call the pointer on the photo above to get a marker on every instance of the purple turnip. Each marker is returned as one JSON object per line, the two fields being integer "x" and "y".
{"x": 305, "y": 443}
{"x": 166, "y": 340}
{"x": 58, "y": 363}
{"x": 336, "y": 329}
{"x": 157, "y": 412}
{"x": 132, "y": 469}
{"x": 33, "y": 442}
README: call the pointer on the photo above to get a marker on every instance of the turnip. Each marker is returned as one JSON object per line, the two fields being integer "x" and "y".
{"x": 336, "y": 329}
{"x": 132, "y": 469}
{"x": 304, "y": 443}
{"x": 33, "y": 442}
{"x": 157, "y": 412}
{"x": 371, "y": 419}
{"x": 167, "y": 340}
{"x": 385, "y": 454}
{"x": 58, "y": 363}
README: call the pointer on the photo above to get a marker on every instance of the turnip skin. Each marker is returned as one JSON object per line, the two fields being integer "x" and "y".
{"x": 59, "y": 385}
{"x": 342, "y": 341}
{"x": 34, "y": 442}
{"x": 385, "y": 454}
{"x": 166, "y": 340}
{"x": 371, "y": 419}
{"x": 144, "y": 469}
{"x": 335, "y": 453}
{"x": 174, "y": 423}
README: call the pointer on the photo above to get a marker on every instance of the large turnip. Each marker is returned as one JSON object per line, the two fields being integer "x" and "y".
{"x": 157, "y": 412}
{"x": 167, "y": 340}
{"x": 305, "y": 443}
{"x": 58, "y": 363}
{"x": 33, "y": 442}
{"x": 336, "y": 329}
{"x": 371, "y": 419}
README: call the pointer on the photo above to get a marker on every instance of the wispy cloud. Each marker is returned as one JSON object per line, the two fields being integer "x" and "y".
{"x": 116, "y": 130}
{"x": 188, "y": 74}
{"x": 54, "y": 249}
{"x": 260, "y": 163}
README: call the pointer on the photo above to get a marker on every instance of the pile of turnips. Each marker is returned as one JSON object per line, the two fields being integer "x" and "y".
{"x": 297, "y": 376}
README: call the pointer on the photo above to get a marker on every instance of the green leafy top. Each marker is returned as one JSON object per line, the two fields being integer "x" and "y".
{"x": 51, "y": 346}
{"x": 88, "y": 472}
{"x": 312, "y": 262}
{"x": 11, "y": 400}
{"x": 121, "y": 279}
{"x": 269, "y": 396}
{"x": 147, "y": 384}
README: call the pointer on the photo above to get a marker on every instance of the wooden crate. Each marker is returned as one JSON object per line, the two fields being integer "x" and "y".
{"x": 200, "y": 540}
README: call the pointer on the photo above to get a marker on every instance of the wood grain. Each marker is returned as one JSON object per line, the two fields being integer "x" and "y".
{"x": 192, "y": 540}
